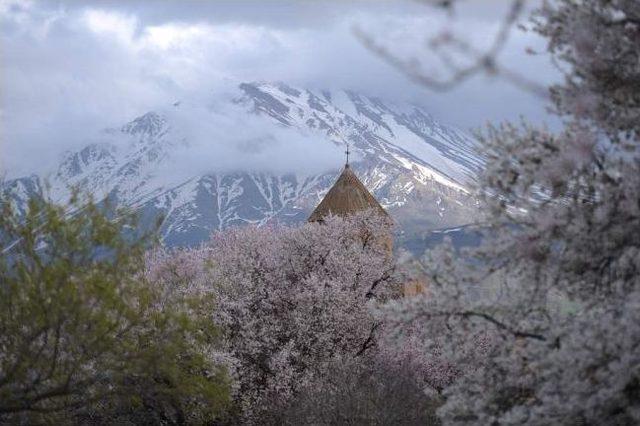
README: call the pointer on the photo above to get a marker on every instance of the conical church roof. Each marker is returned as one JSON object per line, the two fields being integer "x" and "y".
{"x": 347, "y": 196}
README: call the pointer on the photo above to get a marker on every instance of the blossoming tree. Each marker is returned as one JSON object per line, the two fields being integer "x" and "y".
{"x": 290, "y": 299}
{"x": 554, "y": 291}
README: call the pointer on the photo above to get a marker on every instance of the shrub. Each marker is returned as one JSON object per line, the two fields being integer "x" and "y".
{"x": 85, "y": 336}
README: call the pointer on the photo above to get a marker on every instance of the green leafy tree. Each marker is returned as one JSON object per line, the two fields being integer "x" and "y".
{"x": 85, "y": 336}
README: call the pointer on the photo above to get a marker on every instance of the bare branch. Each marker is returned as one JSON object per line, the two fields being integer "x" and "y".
{"x": 481, "y": 62}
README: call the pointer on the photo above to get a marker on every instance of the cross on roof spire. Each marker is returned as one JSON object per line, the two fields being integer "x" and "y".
{"x": 347, "y": 152}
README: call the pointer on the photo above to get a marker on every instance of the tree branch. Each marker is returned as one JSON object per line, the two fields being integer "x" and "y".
{"x": 369, "y": 342}
{"x": 481, "y": 61}
{"x": 492, "y": 320}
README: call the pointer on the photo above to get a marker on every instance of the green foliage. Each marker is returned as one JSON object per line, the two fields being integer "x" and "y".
{"x": 84, "y": 335}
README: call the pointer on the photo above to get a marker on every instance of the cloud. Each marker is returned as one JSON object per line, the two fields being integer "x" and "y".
{"x": 227, "y": 138}
{"x": 69, "y": 69}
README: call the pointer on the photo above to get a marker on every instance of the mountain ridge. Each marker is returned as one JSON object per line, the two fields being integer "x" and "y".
{"x": 416, "y": 167}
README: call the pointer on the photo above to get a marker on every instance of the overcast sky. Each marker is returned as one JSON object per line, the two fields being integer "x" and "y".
{"x": 67, "y": 67}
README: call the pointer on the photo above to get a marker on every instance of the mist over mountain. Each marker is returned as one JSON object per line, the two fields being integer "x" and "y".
{"x": 267, "y": 153}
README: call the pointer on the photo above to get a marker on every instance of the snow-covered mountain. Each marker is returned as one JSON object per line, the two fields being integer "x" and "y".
{"x": 416, "y": 167}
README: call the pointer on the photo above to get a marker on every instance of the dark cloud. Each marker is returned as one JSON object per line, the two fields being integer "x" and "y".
{"x": 70, "y": 68}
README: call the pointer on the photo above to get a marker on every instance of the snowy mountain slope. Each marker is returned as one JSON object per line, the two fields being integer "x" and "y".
{"x": 374, "y": 128}
{"x": 416, "y": 167}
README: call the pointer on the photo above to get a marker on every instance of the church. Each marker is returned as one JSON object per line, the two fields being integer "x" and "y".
{"x": 348, "y": 195}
